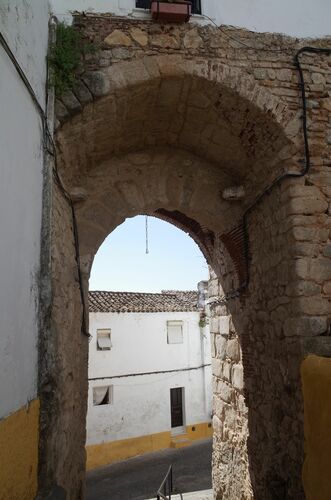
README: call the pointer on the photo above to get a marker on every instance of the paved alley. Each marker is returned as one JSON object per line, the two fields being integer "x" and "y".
{"x": 138, "y": 478}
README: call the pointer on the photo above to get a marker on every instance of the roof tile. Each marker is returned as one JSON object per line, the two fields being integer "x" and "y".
{"x": 167, "y": 301}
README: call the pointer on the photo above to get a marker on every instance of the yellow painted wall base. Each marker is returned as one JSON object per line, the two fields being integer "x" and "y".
{"x": 113, "y": 451}
{"x": 19, "y": 435}
{"x": 316, "y": 383}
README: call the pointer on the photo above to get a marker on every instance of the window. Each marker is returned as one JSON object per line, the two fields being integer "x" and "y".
{"x": 104, "y": 340}
{"x": 196, "y": 6}
{"x": 102, "y": 395}
{"x": 146, "y": 4}
{"x": 174, "y": 332}
{"x": 143, "y": 4}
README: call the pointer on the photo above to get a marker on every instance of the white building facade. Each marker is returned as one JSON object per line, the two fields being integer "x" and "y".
{"x": 149, "y": 374}
{"x": 24, "y": 42}
{"x": 302, "y": 18}
{"x": 25, "y": 181}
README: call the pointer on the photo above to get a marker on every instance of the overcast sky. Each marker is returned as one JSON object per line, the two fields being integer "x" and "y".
{"x": 174, "y": 260}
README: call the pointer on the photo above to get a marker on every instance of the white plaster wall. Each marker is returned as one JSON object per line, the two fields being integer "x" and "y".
{"x": 302, "y": 18}
{"x": 24, "y": 24}
{"x": 141, "y": 403}
{"x": 139, "y": 343}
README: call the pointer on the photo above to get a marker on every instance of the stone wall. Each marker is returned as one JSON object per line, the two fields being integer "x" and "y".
{"x": 231, "y": 478}
{"x": 162, "y": 120}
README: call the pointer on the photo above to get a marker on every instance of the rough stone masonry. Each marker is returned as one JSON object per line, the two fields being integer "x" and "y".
{"x": 162, "y": 120}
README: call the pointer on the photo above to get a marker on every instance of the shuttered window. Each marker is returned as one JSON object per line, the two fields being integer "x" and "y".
{"x": 102, "y": 395}
{"x": 174, "y": 332}
{"x": 104, "y": 339}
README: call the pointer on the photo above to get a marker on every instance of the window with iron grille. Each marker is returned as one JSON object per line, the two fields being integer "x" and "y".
{"x": 146, "y": 4}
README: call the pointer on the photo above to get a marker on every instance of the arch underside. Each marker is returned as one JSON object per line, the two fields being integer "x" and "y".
{"x": 171, "y": 143}
{"x": 168, "y": 143}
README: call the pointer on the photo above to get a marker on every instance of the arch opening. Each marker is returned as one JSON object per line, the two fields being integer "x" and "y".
{"x": 149, "y": 294}
{"x": 170, "y": 145}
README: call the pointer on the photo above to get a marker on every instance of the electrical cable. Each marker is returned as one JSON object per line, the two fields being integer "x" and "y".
{"x": 234, "y": 293}
{"x": 176, "y": 370}
{"x": 48, "y": 141}
{"x": 314, "y": 50}
{"x": 237, "y": 40}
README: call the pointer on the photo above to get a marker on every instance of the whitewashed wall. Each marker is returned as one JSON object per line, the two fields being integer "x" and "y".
{"x": 25, "y": 27}
{"x": 141, "y": 404}
{"x": 302, "y": 18}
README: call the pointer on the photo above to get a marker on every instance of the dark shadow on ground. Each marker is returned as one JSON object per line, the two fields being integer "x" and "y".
{"x": 139, "y": 478}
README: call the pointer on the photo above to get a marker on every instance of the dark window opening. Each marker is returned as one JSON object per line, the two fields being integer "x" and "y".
{"x": 143, "y": 4}
{"x": 176, "y": 403}
{"x": 102, "y": 396}
{"x": 146, "y": 4}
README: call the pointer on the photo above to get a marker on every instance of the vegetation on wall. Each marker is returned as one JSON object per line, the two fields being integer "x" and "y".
{"x": 65, "y": 57}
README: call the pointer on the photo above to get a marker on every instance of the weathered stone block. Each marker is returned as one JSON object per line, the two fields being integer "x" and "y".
{"x": 313, "y": 306}
{"x": 60, "y": 110}
{"x": 305, "y": 326}
{"x": 225, "y": 391}
{"x": 217, "y": 426}
{"x": 96, "y": 82}
{"x": 71, "y": 102}
{"x": 165, "y": 41}
{"x": 233, "y": 350}
{"x": 121, "y": 53}
{"x": 238, "y": 377}
{"x": 321, "y": 346}
{"x": 227, "y": 371}
{"x": 217, "y": 367}
{"x": 327, "y": 288}
{"x": 139, "y": 36}
{"x": 321, "y": 269}
{"x": 192, "y": 39}
{"x": 284, "y": 75}
{"x": 327, "y": 251}
{"x": 82, "y": 92}
{"x": 116, "y": 38}
{"x": 306, "y": 206}
{"x": 214, "y": 325}
{"x": 301, "y": 287}
{"x": 221, "y": 344}
{"x": 224, "y": 325}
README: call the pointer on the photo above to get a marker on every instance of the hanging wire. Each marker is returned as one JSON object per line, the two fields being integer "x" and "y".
{"x": 146, "y": 232}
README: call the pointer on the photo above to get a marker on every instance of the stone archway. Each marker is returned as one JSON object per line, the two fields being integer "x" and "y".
{"x": 166, "y": 135}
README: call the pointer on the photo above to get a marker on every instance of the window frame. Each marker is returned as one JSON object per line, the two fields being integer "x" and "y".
{"x": 108, "y": 395}
{"x": 102, "y": 333}
{"x": 175, "y": 322}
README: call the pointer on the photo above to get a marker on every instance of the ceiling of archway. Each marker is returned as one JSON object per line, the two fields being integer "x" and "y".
{"x": 211, "y": 121}
{"x": 167, "y": 182}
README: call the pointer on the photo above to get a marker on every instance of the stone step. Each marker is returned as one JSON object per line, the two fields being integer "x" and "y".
{"x": 180, "y": 441}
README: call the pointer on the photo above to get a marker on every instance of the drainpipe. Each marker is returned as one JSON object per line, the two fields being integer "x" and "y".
{"x": 202, "y": 291}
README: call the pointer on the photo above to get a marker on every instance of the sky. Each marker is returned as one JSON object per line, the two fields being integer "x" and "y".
{"x": 174, "y": 261}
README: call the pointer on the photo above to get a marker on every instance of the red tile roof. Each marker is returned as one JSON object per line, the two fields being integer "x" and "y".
{"x": 167, "y": 301}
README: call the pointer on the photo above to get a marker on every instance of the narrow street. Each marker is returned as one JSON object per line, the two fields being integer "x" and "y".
{"x": 139, "y": 478}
